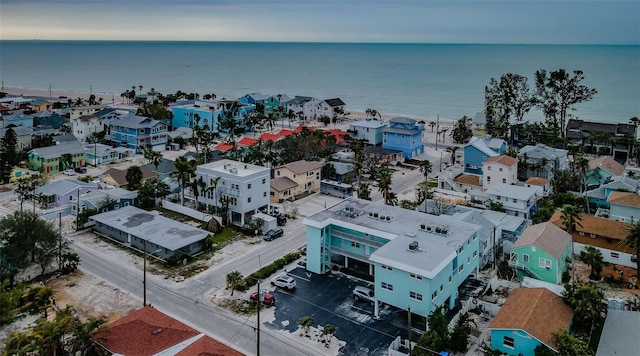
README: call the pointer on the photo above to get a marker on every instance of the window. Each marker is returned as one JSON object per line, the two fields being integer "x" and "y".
{"x": 544, "y": 263}
{"x": 389, "y": 268}
{"x": 468, "y": 260}
{"x": 264, "y": 181}
{"x": 434, "y": 295}
{"x": 450, "y": 279}
{"x": 460, "y": 268}
{"x": 415, "y": 296}
{"x": 249, "y": 200}
{"x": 264, "y": 194}
{"x": 415, "y": 276}
{"x": 387, "y": 286}
{"x": 249, "y": 186}
{"x": 594, "y": 235}
{"x": 615, "y": 255}
{"x": 515, "y": 200}
{"x": 508, "y": 342}
{"x": 489, "y": 179}
{"x": 500, "y": 169}
{"x": 355, "y": 244}
{"x": 488, "y": 168}
{"x": 581, "y": 233}
{"x": 278, "y": 173}
{"x": 475, "y": 253}
{"x": 441, "y": 288}
{"x": 525, "y": 258}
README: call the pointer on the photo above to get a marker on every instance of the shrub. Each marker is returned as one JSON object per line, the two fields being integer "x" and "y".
{"x": 266, "y": 271}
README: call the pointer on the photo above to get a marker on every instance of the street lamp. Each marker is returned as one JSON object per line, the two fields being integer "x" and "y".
{"x": 144, "y": 271}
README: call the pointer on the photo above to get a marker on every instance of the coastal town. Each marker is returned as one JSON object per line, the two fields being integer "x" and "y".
{"x": 189, "y": 224}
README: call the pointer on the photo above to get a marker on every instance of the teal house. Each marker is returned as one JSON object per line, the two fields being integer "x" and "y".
{"x": 57, "y": 158}
{"x": 403, "y": 134}
{"x": 528, "y": 319}
{"x": 418, "y": 260}
{"x": 624, "y": 206}
{"x": 541, "y": 252}
{"x": 601, "y": 170}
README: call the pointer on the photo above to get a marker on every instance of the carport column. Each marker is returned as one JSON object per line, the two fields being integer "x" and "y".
{"x": 346, "y": 262}
{"x": 376, "y": 309}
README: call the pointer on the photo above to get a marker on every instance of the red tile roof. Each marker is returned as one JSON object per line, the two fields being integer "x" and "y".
{"x": 503, "y": 159}
{"x": 285, "y": 133}
{"x": 267, "y": 136}
{"x": 143, "y": 332}
{"x": 223, "y": 146}
{"x": 247, "y": 142}
{"x": 299, "y": 128}
{"x": 338, "y": 134}
{"x": 207, "y": 346}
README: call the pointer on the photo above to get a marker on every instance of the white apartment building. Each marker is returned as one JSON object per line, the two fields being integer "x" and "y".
{"x": 245, "y": 185}
{"x": 515, "y": 200}
{"x": 84, "y": 126}
{"x": 368, "y": 130}
{"x": 499, "y": 169}
{"x": 309, "y": 106}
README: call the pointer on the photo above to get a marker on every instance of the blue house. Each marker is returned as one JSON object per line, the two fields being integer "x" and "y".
{"x": 104, "y": 200}
{"x": 418, "y": 260}
{"x": 138, "y": 132}
{"x": 48, "y": 119}
{"x": 403, "y": 134}
{"x": 17, "y": 118}
{"x": 205, "y": 115}
{"x": 475, "y": 153}
{"x": 253, "y": 98}
{"x": 528, "y": 319}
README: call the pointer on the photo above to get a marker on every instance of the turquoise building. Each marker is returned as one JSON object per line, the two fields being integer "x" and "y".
{"x": 205, "y": 114}
{"x": 403, "y": 134}
{"x": 418, "y": 260}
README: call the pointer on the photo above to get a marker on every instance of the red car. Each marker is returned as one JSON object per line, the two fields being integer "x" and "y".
{"x": 268, "y": 298}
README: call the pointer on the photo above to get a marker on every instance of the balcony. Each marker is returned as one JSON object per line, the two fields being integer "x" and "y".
{"x": 359, "y": 239}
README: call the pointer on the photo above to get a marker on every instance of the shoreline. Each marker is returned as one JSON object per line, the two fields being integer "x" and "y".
{"x": 117, "y": 101}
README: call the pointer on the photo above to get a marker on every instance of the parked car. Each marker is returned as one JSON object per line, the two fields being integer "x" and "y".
{"x": 273, "y": 234}
{"x": 364, "y": 294}
{"x": 303, "y": 250}
{"x": 81, "y": 169}
{"x": 283, "y": 281}
{"x": 268, "y": 299}
{"x": 282, "y": 220}
{"x": 69, "y": 172}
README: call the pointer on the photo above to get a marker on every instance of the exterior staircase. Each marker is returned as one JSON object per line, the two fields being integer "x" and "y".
{"x": 514, "y": 264}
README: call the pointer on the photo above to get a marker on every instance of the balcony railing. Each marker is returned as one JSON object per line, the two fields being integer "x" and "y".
{"x": 355, "y": 238}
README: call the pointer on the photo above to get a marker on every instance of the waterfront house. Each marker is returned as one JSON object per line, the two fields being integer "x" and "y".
{"x": 97, "y": 153}
{"x": 17, "y": 118}
{"x": 417, "y": 260}
{"x": 84, "y": 127}
{"x": 541, "y": 160}
{"x": 369, "y": 131}
{"x": 529, "y": 318}
{"x": 475, "y": 152}
{"x": 328, "y": 107}
{"x": 244, "y": 185}
{"x": 54, "y": 159}
{"x": 138, "y": 133}
{"x": 305, "y": 104}
{"x": 542, "y": 252}
{"x": 624, "y": 206}
{"x": 602, "y": 169}
{"x": 165, "y": 238}
{"x": 147, "y": 331}
{"x": 273, "y": 103}
{"x": 602, "y": 234}
{"x": 253, "y": 98}
{"x": 405, "y": 135}
{"x": 103, "y": 200}
{"x": 516, "y": 200}
{"x": 619, "y": 333}
{"x": 207, "y": 115}
{"x": 602, "y": 138}
{"x": 63, "y": 192}
{"x": 499, "y": 169}
{"x": 479, "y": 123}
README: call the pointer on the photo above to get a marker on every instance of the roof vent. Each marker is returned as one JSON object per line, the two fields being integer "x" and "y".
{"x": 156, "y": 331}
{"x": 413, "y": 246}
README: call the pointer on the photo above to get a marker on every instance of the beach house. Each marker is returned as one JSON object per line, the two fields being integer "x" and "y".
{"x": 499, "y": 169}
{"x": 516, "y": 200}
{"x": 615, "y": 139}
{"x": 328, "y": 107}
{"x": 475, "y": 152}
{"x": 529, "y": 318}
{"x": 300, "y": 178}
{"x": 542, "y": 252}
{"x": 55, "y": 159}
{"x": 369, "y": 131}
{"x": 138, "y": 133}
{"x": 417, "y": 260}
{"x": 404, "y": 134}
{"x": 307, "y": 105}
{"x": 541, "y": 161}
{"x": 207, "y": 114}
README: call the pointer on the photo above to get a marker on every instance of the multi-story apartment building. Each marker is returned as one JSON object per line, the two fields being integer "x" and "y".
{"x": 515, "y": 200}
{"x": 418, "y": 260}
{"x": 245, "y": 186}
{"x": 85, "y": 126}
{"x": 499, "y": 169}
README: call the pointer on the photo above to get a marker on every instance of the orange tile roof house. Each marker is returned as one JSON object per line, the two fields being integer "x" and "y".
{"x": 147, "y": 332}
{"x": 603, "y": 234}
{"x": 529, "y": 318}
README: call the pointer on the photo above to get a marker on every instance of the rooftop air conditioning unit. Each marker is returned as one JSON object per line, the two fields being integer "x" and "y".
{"x": 413, "y": 246}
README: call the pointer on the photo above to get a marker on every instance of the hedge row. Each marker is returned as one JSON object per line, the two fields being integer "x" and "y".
{"x": 266, "y": 271}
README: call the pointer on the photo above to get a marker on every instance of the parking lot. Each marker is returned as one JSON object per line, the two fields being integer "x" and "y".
{"x": 329, "y": 300}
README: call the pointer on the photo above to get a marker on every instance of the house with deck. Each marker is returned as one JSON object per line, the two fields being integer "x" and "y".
{"x": 328, "y": 107}
{"x": 307, "y": 105}
{"x": 516, "y": 200}
{"x": 138, "y": 133}
{"x": 529, "y": 318}
{"x": 602, "y": 138}
{"x": 542, "y": 252}
{"x": 602, "y": 234}
{"x": 475, "y": 152}
{"x": 403, "y": 134}
{"x": 418, "y": 260}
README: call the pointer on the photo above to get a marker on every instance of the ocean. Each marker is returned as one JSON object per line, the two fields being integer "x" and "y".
{"x": 416, "y": 80}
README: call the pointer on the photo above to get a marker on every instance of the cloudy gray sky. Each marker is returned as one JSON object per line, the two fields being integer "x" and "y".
{"x": 420, "y": 21}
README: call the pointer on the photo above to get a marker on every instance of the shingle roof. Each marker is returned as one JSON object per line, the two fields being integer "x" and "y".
{"x": 470, "y": 179}
{"x": 334, "y": 102}
{"x": 624, "y": 198}
{"x": 547, "y": 236}
{"x": 403, "y": 121}
{"x": 502, "y": 159}
{"x": 63, "y": 186}
{"x": 73, "y": 147}
{"x": 134, "y": 121}
{"x": 299, "y": 100}
{"x": 281, "y": 184}
{"x": 302, "y": 166}
{"x": 207, "y": 346}
{"x": 608, "y": 164}
{"x": 537, "y": 181}
{"x": 120, "y": 176}
{"x": 144, "y": 332}
{"x": 594, "y": 225}
{"x": 537, "y": 311}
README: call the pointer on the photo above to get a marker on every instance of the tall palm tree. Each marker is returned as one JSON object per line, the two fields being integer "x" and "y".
{"x": 632, "y": 240}
{"x": 426, "y": 167}
{"x": 184, "y": 173}
{"x": 571, "y": 217}
{"x": 383, "y": 177}
{"x": 234, "y": 280}
{"x": 198, "y": 186}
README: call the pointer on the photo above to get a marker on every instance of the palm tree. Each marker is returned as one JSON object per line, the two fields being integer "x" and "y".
{"x": 184, "y": 173}
{"x": 133, "y": 177}
{"x": 154, "y": 157}
{"x": 383, "y": 177}
{"x": 425, "y": 168}
{"x": 632, "y": 240}
{"x": 593, "y": 257}
{"x": 305, "y": 323}
{"x": 571, "y": 217}
{"x": 234, "y": 280}
{"x": 198, "y": 186}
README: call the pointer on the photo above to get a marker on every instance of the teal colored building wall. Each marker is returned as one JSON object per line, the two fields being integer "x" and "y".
{"x": 524, "y": 344}
{"x": 551, "y": 275}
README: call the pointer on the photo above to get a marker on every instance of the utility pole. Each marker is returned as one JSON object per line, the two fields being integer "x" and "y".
{"x": 144, "y": 274}
{"x": 60, "y": 241}
{"x": 258, "y": 320}
{"x": 409, "y": 319}
{"x": 437, "y": 130}
{"x": 95, "y": 148}
{"x": 49, "y": 91}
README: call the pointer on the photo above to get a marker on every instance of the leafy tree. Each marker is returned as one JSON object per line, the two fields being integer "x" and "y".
{"x": 462, "y": 130}
{"x": 587, "y": 304}
{"x": 9, "y": 300}
{"x": 437, "y": 338}
{"x": 70, "y": 261}
{"x": 364, "y": 191}
{"x": 133, "y": 177}
{"x": 407, "y": 204}
{"x": 545, "y": 211}
{"x": 328, "y": 171}
{"x": 234, "y": 280}
{"x": 8, "y": 154}
{"x": 593, "y": 257}
{"x": 557, "y": 92}
{"x": 372, "y": 113}
{"x": 542, "y": 350}
{"x": 155, "y": 111}
{"x": 495, "y": 205}
{"x": 569, "y": 345}
{"x": 632, "y": 240}
{"x": 460, "y": 334}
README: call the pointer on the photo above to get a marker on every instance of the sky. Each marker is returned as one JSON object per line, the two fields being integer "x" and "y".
{"x": 402, "y": 21}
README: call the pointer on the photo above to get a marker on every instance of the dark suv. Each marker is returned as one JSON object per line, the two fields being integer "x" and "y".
{"x": 273, "y": 234}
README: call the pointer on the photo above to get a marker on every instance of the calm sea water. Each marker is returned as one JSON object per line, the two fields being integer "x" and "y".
{"x": 413, "y": 79}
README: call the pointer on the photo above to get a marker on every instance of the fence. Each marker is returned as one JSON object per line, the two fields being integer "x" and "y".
{"x": 186, "y": 211}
